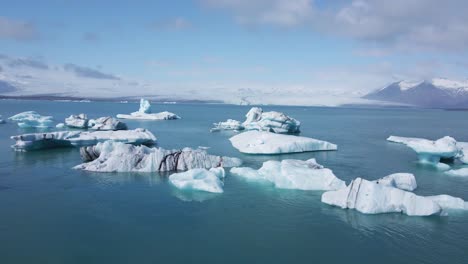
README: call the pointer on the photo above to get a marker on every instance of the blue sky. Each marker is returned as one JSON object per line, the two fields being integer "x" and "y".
{"x": 348, "y": 46}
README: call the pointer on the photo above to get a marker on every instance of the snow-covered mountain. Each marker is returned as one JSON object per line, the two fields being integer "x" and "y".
{"x": 435, "y": 93}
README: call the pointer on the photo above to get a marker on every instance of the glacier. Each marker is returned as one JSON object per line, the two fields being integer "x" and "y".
{"x": 144, "y": 113}
{"x": 107, "y": 123}
{"x": 261, "y": 142}
{"x": 293, "y": 174}
{"x": 113, "y": 156}
{"x": 38, "y": 141}
{"x": 433, "y": 152}
{"x": 199, "y": 180}
{"x": 31, "y": 119}
{"x": 77, "y": 121}
{"x": 256, "y": 119}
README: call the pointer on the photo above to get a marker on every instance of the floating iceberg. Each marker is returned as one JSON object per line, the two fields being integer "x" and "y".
{"x": 199, "y": 180}
{"x": 81, "y": 138}
{"x": 447, "y": 202}
{"x": 60, "y": 125}
{"x": 107, "y": 123}
{"x": 117, "y": 157}
{"x": 463, "y": 172}
{"x": 432, "y": 152}
{"x": 256, "y": 119}
{"x": 144, "y": 113}
{"x": 77, "y": 121}
{"x": 260, "y": 142}
{"x": 404, "y": 181}
{"x": 1, "y": 120}
{"x": 230, "y": 124}
{"x": 372, "y": 198}
{"x": 293, "y": 174}
{"x": 32, "y": 119}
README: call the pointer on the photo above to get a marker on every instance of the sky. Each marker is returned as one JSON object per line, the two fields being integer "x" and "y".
{"x": 263, "y": 51}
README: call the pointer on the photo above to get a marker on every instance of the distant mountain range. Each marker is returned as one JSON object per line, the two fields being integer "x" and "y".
{"x": 435, "y": 93}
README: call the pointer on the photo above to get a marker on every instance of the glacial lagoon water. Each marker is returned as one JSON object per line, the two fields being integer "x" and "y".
{"x": 50, "y": 213}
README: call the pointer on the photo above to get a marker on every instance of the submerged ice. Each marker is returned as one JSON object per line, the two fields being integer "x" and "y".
{"x": 144, "y": 113}
{"x": 199, "y": 180}
{"x": 37, "y": 141}
{"x": 260, "y": 142}
{"x": 256, "y": 119}
{"x": 117, "y": 157}
{"x": 31, "y": 119}
{"x": 293, "y": 174}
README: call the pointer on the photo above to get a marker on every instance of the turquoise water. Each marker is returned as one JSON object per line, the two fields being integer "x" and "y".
{"x": 50, "y": 213}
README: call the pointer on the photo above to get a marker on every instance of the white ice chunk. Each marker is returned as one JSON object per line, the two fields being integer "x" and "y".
{"x": 117, "y": 157}
{"x": 372, "y": 198}
{"x": 447, "y": 202}
{"x": 81, "y": 138}
{"x": 60, "y": 125}
{"x": 77, "y": 121}
{"x": 293, "y": 174}
{"x": 404, "y": 181}
{"x": 431, "y": 152}
{"x": 144, "y": 113}
{"x": 230, "y": 124}
{"x": 199, "y": 180}
{"x": 260, "y": 142}
{"x": 107, "y": 123}
{"x": 2, "y": 121}
{"x": 463, "y": 172}
{"x": 463, "y": 155}
{"x": 32, "y": 119}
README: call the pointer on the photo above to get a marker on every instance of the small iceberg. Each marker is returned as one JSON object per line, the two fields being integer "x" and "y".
{"x": 260, "y": 142}
{"x": 293, "y": 174}
{"x": 60, "y": 125}
{"x": 2, "y": 121}
{"x": 433, "y": 152}
{"x": 256, "y": 119}
{"x": 48, "y": 140}
{"x": 77, "y": 121}
{"x": 144, "y": 113}
{"x": 463, "y": 172}
{"x": 107, "y": 123}
{"x": 32, "y": 119}
{"x": 199, "y": 180}
{"x": 118, "y": 157}
{"x": 403, "y": 181}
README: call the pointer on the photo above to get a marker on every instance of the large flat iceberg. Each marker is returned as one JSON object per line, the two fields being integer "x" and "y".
{"x": 144, "y": 113}
{"x": 260, "y": 142}
{"x": 117, "y": 157}
{"x": 37, "y": 141}
{"x": 433, "y": 152}
{"x": 199, "y": 180}
{"x": 32, "y": 119}
{"x": 293, "y": 174}
{"x": 256, "y": 119}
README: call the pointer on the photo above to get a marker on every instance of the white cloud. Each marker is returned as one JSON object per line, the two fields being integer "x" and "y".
{"x": 17, "y": 29}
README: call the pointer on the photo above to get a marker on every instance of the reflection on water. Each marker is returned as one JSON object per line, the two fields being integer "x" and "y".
{"x": 192, "y": 195}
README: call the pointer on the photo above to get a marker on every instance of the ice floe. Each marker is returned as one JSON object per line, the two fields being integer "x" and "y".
{"x": 77, "y": 121}
{"x": 117, "y": 157}
{"x": 447, "y": 202}
{"x": 433, "y": 152}
{"x": 256, "y": 119}
{"x": 81, "y": 138}
{"x": 463, "y": 172}
{"x": 32, "y": 119}
{"x": 60, "y": 125}
{"x": 144, "y": 113}
{"x": 293, "y": 174}
{"x": 404, "y": 181}
{"x": 199, "y": 180}
{"x": 261, "y": 142}
{"x": 107, "y": 123}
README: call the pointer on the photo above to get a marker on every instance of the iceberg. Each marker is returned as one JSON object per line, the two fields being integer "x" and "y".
{"x": 431, "y": 152}
{"x": 112, "y": 156}
{"x": 230, "y": 124}
{"x": 403, "y": 181}
{"x": 463, "y": 172}
{"x": 293, "y": 174}
{"x": 372, "y": 198}
{"x": 107, "y": 123}
{"x": 1, "y": 120}
{"x": 37, "y": 141}
{"x": 32, "y": 119}
{"x": 199, "y": 180}
{"x": 144, "y": 113}
{"x": 77, "y": 121}
{"x": 256, "y": 119}
{"x": 60, "y": 125}
{"x": 261, "y": 142}
{"x": 447, "y": 202}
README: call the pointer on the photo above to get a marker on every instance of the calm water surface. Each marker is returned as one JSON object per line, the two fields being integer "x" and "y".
{"x": 50, "y": 213}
